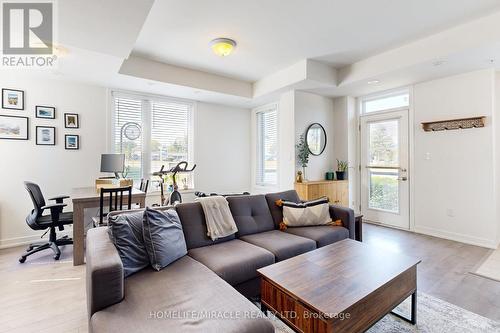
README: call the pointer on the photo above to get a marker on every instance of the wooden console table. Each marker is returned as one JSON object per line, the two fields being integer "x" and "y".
{"x": 336, "y": 190}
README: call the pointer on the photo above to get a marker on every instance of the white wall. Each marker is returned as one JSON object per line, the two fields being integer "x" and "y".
{"x": 309, "y": 109}
{"x": 56, "y": 170}
{"x": 496, "y": 147}
{"x": 345, "y": 142}
{"x": 221, "y": 148}
{"x": 286, "y": 138}
{"x": 454, "y": 171}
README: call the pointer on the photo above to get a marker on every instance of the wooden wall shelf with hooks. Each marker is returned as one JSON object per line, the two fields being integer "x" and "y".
{"x": 452, "y": 124}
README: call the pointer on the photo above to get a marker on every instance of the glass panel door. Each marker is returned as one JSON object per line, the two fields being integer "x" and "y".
{"x": 384, "y": 158}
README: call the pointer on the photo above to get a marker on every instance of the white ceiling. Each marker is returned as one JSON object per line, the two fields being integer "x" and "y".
{"x": 283, "y": 45}
{"x": 274, "y": 34}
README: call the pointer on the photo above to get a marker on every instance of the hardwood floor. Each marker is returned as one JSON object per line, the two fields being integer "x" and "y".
{"x": 42, "y": 295}
{"x": 444, "y": 270}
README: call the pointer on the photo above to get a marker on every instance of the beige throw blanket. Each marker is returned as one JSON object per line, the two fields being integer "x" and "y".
{"x": 220, "y": 222}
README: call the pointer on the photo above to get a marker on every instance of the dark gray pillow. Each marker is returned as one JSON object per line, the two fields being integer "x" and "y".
{"x": 163, "y": 237}
{"x": 125, "y": 230}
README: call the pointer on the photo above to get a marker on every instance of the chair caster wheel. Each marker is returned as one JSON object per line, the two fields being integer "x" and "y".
{"x": 56, "y": 257}
{"x": 22, "y": 259}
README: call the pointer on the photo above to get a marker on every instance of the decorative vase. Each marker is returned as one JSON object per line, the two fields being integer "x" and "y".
{"x": 341, "y": 175}
{"x": 329, "y": 175}
{"x": 304, "y": 174}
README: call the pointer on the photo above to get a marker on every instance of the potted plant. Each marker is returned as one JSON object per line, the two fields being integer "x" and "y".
{"x": 302, "y": 154}
{"x": 341, "y": 170}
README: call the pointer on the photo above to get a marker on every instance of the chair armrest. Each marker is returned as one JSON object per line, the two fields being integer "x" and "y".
{"x": 55, "y": 210}
{"x": 104, "y": 271}
{"x": 59, "y": 206}
{"x": 60, "y": 198}
{"x": 346, "y": 215}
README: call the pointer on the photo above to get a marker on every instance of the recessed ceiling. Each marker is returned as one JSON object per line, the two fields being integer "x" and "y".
{"x": 273, "y": 34}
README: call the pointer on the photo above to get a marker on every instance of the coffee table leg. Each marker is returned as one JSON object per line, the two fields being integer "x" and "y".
{"x": 263, "y": 308}
{"x": 413, "y": 318}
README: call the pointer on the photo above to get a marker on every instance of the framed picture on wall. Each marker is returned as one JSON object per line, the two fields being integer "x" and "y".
{"x": 47, "y": 112}
{"x": 14, "y": 127}
{"x": 12, "y": 99}
{"x": 71, "y": 142}
{"x": 45, "y": 136}
{"x": 71, "y": 120}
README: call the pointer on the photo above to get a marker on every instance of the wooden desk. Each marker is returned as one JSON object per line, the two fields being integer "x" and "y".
{"x": 88, "y": 197}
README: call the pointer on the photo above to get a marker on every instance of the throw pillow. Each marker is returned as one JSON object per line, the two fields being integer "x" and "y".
{"x": 310, "y": 213}
{"x": 125, "y": 230}
{"x": 163, "y": 237}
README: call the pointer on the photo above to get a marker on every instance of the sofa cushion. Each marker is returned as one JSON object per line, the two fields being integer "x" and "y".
{"x": 323, "y": 235}
{"x": 125, "y": 231}
{"x": 194, "y": 226}
{"x": 251, "y": 214}
{"x": 277, "y": 212}
{"x": 175, "y": 300}
{"x": 163, "y": 237}
{"x": 283, "y": 245}
{"x": 235, "y": 261}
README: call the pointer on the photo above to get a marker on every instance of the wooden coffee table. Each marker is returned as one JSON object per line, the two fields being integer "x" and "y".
{"x": 344, "y": 287}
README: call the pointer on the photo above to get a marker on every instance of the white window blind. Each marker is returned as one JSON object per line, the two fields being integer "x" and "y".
{"x": 167, "y": 125}
{"x": 267, "y": 146}
{"x": 170, "y": 126}
{"x": 128, "y": 110}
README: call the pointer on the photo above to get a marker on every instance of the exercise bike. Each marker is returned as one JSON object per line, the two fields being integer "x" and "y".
{"x": 175, "y": 197}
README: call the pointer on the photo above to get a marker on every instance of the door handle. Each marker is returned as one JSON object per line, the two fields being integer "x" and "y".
{"x": 404, "y": 178}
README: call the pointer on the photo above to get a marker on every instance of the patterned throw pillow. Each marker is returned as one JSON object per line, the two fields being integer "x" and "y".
{"x": 310, "y": 213}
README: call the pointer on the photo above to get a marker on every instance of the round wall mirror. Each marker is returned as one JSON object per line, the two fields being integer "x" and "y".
{"x": 316, "y": 139}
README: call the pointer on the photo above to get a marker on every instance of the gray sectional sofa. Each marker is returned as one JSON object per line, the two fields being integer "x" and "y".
{"x": 207, "y": 290}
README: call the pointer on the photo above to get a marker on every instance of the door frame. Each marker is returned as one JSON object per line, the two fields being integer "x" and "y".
{"x": 411, "y": 147}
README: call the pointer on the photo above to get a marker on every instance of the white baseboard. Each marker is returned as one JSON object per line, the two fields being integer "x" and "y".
{"x": 454, "y": 236}
{"x": 25, "y": 240}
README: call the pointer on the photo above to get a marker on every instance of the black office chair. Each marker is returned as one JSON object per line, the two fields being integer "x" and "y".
{"x": 37, "y": 221}
{"x": 113, "y": 203}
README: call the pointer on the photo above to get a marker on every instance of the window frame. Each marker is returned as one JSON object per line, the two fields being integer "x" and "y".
{"x": 146, "y": 126}
{"x": 381, "y": 95}
{"x": 262, "y": 186}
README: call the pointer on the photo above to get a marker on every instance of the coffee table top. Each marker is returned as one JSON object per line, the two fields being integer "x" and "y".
{"x": 333, "y": 278}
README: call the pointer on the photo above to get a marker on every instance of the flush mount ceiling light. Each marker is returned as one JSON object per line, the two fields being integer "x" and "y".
{"x": 222, "y": 46}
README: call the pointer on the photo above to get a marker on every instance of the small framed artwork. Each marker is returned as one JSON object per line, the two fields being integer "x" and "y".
{"x": 45, "y": 136}
{"x": 14, "y": 128}
{"x": 71, "y": 120}
{"x": 71, "y": 142}
{"x": 12, "y": 99}
{"x": 47, "y": 112}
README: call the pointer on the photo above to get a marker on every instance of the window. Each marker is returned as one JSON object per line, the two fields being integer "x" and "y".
{"x": 394, "y": 100}
{"x": 152, "y": 132}
{"x": 267, "y": 146}
{"x": 128, "y": 112}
